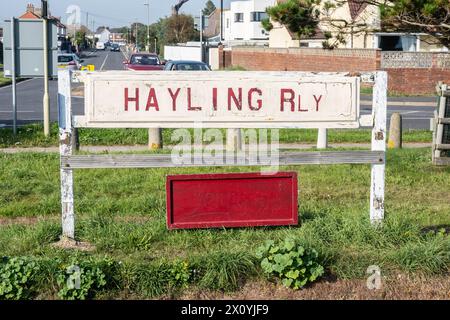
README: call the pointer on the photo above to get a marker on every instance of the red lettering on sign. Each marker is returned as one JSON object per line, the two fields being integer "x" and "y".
{"x": 300, "y": 105}
{"x": 174, "y": 97}
{"x": 284, "y": 100}
{"x": 317, "y": 102}
{"x": 215, "y": 99}
{"x": 258, "y": 101}
{"x": 129, "y": 99}
{"x": 189, "y": 98}
{"x": 237, "y": 101}
{"x": 152, "y": 101}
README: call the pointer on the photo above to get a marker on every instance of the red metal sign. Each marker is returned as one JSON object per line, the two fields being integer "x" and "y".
{"x": 231, "y": 200}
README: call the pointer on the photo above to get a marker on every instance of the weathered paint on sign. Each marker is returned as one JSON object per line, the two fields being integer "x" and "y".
{"x": 231, "y": 200}
{"x": 221, "y": 100}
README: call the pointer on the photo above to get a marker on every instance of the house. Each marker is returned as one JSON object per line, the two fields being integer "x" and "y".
{"x": 243, "y": 20}
{"x": 212, "y": 25}
{"x": 36, "y": 13}
{"x": 103, "y": 34}
{"x": 362, "y": 31}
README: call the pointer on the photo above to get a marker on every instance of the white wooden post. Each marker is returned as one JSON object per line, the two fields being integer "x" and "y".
{"x": 322, "y": 138}
{"x": 379, "y": 113}
{"x": 66, "y": 149}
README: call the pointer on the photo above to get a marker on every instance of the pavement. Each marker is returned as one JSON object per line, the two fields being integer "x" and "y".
{"x": 416, "y": 111}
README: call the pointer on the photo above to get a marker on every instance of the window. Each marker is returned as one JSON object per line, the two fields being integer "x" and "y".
{"x": 191, "y": 67}
{"x": 238, "y": 17}
{"x": 258, "y": 16}
{"x": 145, "y": 60}
{"x": 391, "y": 43}
{"x": 228, "y": 23}
{"x": 65, "y": 59}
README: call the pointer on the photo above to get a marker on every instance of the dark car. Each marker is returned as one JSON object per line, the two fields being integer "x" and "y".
{"x": 115, "y": 47}
{"x": 144, "y": 62}
{"x": 184, "y": 65}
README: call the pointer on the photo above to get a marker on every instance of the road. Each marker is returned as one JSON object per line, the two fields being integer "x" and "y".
{"x": 416, "y": 111}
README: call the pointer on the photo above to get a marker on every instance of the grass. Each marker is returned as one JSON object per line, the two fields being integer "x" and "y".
{"x": 32, "y": 136}
{"x": 122, "y": 213}
{"x": 4, "y": 81}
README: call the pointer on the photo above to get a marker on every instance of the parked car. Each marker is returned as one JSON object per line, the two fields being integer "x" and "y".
{"x": 69, "y": 61}
{"x": 184, "y": 65}
{"x": 115, "y": 47}
{"x": 144, "y": 62}
{"x": 100, "y": 46}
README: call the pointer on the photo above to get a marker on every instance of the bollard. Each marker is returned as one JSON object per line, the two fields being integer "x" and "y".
{"x": 75, "y": 140}
{"x": 322, "y": 139}
{"x": 395, "y": 132}
{"x": 234, "y": 140}
{"x": 155, "y": 139}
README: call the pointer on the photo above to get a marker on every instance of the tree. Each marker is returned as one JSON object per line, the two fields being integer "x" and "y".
{"x": 420, "y": 16}
{"x": 209, "y": 8}
{"x": 299, "y": 16}
{"x": 80, "y": 40}
{"x": 179, "y": 29}
{"x": 431, "y": 17}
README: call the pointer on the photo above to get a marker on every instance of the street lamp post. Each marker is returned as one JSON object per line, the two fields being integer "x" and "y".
{"x": 148, "y": 25}
{"x": 154, "y": 135}
{"x": 221, "y": 21}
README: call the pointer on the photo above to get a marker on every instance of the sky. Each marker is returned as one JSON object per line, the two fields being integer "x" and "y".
{"x": 112, "y": 13}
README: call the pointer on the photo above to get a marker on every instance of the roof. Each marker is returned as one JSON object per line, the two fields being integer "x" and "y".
{"x": 30, "y": 15}
{"x": 356, "y": 7}
{"x": 318, "y": 35}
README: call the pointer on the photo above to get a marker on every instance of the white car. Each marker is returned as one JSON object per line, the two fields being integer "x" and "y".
{"x": 69, "y": 61}
{"x": 100, "y": 46}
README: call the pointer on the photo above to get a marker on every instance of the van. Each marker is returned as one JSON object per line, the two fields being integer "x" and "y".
{"x": 100, "y": 46}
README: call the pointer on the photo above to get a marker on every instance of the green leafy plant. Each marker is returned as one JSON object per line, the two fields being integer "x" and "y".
{"x": 80, "y": 280}
{"x": 295, "y": 265}
{"x": 179, "y": 274}
{"x": 16, "y": 277}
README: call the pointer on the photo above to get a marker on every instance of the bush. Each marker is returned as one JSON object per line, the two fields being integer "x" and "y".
{"x": 16, "y": 278}
{"x": 291, "y": 262}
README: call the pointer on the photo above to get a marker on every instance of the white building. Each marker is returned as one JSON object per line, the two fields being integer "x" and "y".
{"x": 243, "y": 20}
{"x": 103, "y": 35}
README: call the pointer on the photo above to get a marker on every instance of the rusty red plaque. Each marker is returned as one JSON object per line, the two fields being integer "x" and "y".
{"x": 231, "y": 200}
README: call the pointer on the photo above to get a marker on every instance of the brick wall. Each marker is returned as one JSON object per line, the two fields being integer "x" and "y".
{"x": 422, "y": 77}
{"x": 416, "y": 81}
{"x": 339, "y": 60}
{"x": 225, "y": 58}
{"x": 404, "y": 77}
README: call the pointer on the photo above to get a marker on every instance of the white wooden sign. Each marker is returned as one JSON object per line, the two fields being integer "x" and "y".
{"x": 220, "y": 100}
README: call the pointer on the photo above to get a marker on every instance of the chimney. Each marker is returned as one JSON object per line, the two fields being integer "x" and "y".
{"x": 30, "y": 8}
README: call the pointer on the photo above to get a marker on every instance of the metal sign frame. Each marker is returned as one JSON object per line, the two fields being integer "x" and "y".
{"x": 24, "y": 49}
{"x": 376, "y": 157}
